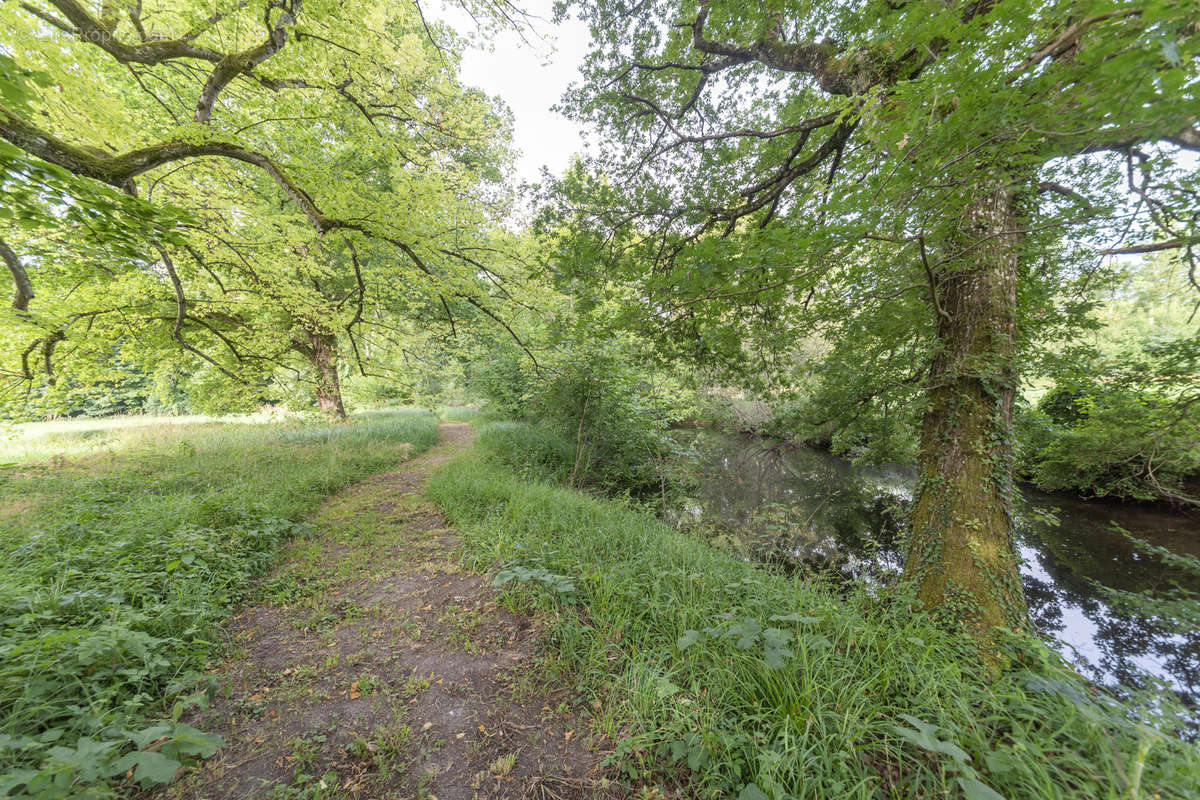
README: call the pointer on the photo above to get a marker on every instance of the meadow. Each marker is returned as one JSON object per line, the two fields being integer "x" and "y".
{"x": 126, "y": 543}
{"x": 720, "y": 678}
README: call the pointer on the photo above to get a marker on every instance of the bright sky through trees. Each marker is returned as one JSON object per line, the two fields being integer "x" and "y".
{"x": 530, "y": 75}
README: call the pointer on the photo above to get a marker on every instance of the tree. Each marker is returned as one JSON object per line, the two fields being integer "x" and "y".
{"x": 925, "y": 176}
{"x": 311, "y": 172}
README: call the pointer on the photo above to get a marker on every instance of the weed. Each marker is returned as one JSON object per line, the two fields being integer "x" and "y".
{"x": 558, "y": 585}
{"x": 112, "y": 587}
{"x": 503, "y": 765}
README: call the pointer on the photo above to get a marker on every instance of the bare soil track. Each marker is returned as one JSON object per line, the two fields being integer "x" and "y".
{"x": 375, "y": 667}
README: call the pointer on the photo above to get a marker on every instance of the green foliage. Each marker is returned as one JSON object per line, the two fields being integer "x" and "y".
{"x": 118, "y": 387}
{"x": 1127, "y": 446}
{"x": 560, "y": 586}
{"x": 266, "y": 223}
{"x": 816, "y": 225}
{"x": 1065, "y": 404}
{"x": 736, "y": 682}
{"x": 503, "y": 382}
{"x": 118, "y": 569}
{"x": 597, "y": 398}
{"x": 528, "y": 449}
{"x": 605, "y": 404}
{"x": 1125, "y": 428}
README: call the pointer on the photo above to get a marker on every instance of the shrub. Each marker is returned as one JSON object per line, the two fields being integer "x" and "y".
{"x": 599, "y": 401}
{"x": 502, "y": 381}
{"x": 606, "y": 406}
{"x": 1109, "y": 441}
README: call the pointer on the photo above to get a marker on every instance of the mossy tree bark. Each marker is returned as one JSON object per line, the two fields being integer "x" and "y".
{"x": 321, "y": 351}
{"x": 961, "y": 555}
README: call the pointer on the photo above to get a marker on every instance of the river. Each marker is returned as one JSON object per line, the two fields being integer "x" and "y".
{"x": 804, "y": 508}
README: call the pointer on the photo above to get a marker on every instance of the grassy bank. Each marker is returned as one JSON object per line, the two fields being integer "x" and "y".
{"x": 718, "y": 676}
{"x": 120, "y": 559}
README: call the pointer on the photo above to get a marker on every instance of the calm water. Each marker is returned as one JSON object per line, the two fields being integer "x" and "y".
{"x": 807, "y": 508}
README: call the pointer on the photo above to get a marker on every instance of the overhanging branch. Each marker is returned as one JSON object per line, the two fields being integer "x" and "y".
{"x": 24, "y": 289}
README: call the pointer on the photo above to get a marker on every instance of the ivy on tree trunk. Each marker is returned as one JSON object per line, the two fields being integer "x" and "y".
{"x": 960, "y": 549}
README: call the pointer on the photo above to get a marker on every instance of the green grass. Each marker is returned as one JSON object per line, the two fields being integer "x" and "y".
{"x": 527, "y": 449}
{"x": 40, "y": 441}
{"x": 726, "y": 680}
{"x": 457, "y": 414}
{"x": 119, "y": 563}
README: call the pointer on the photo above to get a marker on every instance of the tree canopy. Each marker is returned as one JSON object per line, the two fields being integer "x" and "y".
{"x": 249, "y": 182}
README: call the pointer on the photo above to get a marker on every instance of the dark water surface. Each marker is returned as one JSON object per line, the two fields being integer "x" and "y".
{"x": 804, "y": 507}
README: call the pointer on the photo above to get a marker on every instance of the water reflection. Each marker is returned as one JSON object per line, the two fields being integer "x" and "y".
{"x": 804, "y": 508}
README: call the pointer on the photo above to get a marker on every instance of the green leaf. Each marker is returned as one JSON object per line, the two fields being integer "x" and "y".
{"x": 15, "y": 778}
{"x": 777, "y": 637}
{"x": 186, "y": 740}
{"x": 977, "y": 790}
{"x": 751, "y": 792}
{"x": 148, "y": 767}
{"x": 664, "y": 688}
{"x": 776, "y": 657}
{"x": 145, "y": 736}
{"x": 924, "y": 735}
{"x": 689, "y": 638}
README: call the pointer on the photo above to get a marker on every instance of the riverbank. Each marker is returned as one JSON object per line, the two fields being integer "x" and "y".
{"x": 1073, "y": 458}
{"x": 718, "y": 678}
{"x": 1101, "y": 599}
{"x": 757, "y": 427}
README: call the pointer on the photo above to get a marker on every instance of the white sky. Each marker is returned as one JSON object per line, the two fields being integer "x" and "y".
{"x": 530, "y": 76}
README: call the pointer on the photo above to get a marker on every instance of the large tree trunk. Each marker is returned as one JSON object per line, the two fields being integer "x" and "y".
{"x": 322, "y": 352}
{"x": 961, "y": 554}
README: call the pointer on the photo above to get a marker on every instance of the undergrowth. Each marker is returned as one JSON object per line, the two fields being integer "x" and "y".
{"x": 726, "y": 680}
{"x": 117, "y": 569}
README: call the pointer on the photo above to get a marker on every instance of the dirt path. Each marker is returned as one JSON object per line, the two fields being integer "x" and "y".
{"x": 375, "y": 668}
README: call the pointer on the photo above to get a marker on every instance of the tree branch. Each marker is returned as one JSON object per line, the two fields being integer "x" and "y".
{"x": 817, "y": 59}
{"x": 24, "y": 288}
{"x": 120, "y": 170}
{"x": 1065, "y": 191}
{"x": 243, "y": 62}
{"x": 1188, "y": 139}
{"x": 153, "y": 51}
{"x": 181, "y": 315}
{"x": 1174, "y": 244}
{"x": 536, "y": 366}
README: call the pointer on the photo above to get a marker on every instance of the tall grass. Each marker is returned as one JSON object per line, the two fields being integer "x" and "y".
{"x": 119, "y": 566}
{"x": 458, "y": 414}
{"x": 727, "y": 680}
